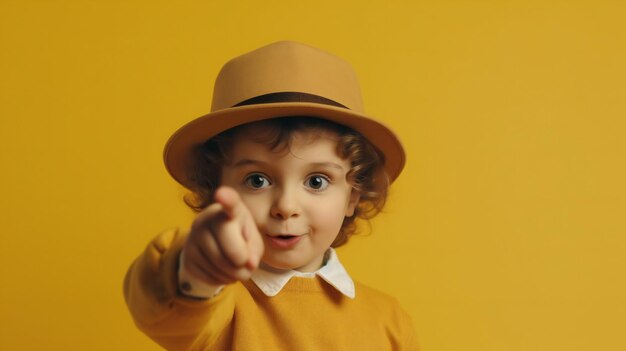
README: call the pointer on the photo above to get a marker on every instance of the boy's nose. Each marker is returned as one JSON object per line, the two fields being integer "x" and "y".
{"x": 285, "y": 205}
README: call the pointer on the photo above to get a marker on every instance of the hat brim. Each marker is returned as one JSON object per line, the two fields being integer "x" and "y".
{"x": 179, "y": 149}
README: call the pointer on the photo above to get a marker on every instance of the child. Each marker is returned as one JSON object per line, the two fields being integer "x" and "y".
{"x": 279, "y": 171}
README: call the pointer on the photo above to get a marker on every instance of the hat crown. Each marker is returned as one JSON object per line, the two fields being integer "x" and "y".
{"x": 287, "y": 66}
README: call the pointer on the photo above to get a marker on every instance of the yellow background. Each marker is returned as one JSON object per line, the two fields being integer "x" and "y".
{"x": 505, "y": 232}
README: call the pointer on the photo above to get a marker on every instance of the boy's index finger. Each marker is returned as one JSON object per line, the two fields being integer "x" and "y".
{"x": 230, "y": 201}
{"x": 207, "y": 216}
{"x": 233, "y": 206}
{"x": 223, "y": 209}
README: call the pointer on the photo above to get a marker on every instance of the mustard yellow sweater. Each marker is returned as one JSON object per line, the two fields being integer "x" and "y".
{"x": 308, "y": 314}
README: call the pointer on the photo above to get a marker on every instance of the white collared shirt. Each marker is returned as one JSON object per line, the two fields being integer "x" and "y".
{"x": 271, "y": 281}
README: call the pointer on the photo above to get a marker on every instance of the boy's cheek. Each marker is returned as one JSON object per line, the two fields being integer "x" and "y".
{"x": 328, "y": 215}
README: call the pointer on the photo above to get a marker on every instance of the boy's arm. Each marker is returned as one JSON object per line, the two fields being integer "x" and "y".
{"x": 159, "y": 310}
{"x": 410, "y": 337}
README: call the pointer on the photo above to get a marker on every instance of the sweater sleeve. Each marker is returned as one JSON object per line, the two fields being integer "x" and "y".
{"x": 172, "y": 320}
{"x": 410, "y": 339}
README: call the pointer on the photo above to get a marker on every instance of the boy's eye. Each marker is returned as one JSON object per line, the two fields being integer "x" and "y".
{"x": 257, "y": 181}
{"x": 317, "y": 182}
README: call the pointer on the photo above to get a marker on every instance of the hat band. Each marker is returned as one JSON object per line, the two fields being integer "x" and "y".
{"x": 289, "y": 97}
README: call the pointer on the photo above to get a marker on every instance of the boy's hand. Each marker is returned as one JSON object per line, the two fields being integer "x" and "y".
{"x": 224, "y": 244}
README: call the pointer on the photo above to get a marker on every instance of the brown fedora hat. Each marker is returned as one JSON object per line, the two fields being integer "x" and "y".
{"x": 279, "y": 80}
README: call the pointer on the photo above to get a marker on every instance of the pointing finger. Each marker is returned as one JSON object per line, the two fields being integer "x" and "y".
{"x": 230, "y": 201}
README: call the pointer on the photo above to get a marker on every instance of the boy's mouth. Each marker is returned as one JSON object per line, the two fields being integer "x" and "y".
{"x": 283, "y": 235}
{"x": 284, "y": 241}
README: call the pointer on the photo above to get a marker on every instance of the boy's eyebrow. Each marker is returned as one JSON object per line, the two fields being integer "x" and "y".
{"x": 328, "y": 164}
{"x": 246, "y": 161}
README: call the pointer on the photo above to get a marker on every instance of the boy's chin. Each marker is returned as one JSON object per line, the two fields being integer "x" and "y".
{"x": 275, "y": 266}
{"x": 278, "y": 266}
{"x": 281, "y": 266}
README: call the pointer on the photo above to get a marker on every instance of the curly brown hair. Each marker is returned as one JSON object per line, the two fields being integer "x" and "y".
{"x": 366, "y": 174}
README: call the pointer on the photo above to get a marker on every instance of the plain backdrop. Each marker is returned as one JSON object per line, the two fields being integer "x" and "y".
{"x": 506, "y": 231}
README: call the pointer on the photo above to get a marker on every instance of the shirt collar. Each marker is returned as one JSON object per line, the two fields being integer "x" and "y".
{"x": 272, "y": 281}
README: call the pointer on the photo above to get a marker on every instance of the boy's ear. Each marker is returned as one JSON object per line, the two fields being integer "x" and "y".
{"x": 355, "y": 196}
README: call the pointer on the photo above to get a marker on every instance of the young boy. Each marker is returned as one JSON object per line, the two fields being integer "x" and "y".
{"x": 278, "y": 172}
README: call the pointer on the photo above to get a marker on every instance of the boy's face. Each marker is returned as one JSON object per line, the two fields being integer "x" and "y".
{"x": 297, "y": 196}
